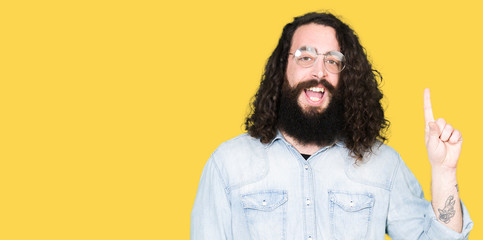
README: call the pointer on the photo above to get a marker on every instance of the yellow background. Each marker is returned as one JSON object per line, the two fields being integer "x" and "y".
{"x": 110, "y": 109}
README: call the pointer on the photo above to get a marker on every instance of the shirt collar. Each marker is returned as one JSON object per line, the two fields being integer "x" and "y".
{"x": 279, "y": 136}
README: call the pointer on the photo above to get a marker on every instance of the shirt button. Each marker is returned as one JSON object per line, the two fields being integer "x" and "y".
{"x": 310, "y": 238}
{"x": 308, "y": 202}
{"x": 264, "y": 203}
{"x": 351, "y": 204}
{"x": 306, "y": 167}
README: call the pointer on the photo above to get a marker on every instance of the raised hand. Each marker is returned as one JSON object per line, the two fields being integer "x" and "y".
{"x": 443, "y": 142}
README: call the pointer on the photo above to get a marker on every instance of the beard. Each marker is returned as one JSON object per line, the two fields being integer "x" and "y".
{"x": 311, "y": 126}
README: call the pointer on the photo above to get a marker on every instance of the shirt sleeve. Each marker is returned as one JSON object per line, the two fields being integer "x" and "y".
{"x": 411, "y": 216}
{"x": 211, "y": 214}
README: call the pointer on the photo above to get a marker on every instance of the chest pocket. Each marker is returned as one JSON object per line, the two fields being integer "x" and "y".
{"x": 350, "y": 214}
{"x": 266, "y": 214}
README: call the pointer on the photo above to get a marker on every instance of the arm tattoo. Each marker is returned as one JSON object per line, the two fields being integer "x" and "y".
{"x": 448, "y": 212}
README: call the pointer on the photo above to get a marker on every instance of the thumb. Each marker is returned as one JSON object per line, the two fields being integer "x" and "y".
{"x": 433, "y": 134}
{"x": 433, "y": 129}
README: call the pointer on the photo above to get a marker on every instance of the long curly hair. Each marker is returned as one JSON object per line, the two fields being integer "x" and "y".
{"x": 364, "y": 119}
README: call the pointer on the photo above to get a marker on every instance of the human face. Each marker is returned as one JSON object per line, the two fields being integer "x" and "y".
{"x": 324, "y": 40}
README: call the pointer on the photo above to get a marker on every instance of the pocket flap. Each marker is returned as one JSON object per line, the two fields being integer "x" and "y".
{"x": 264, "y": 201}
{"x": 351, "y": 202}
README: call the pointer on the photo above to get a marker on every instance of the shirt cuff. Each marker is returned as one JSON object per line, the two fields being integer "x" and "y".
{"x": 437, "y": 230}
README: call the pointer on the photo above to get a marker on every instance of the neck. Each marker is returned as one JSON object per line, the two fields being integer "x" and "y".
{"x": 308, "y": 149}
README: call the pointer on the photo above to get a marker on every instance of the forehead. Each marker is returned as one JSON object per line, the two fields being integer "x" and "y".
{"x": 321, "y": 37}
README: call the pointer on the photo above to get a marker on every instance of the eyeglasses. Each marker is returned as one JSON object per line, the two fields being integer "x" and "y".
{"x": 306, "y": 56}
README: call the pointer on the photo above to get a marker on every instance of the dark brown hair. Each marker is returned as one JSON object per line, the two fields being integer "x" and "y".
{"x": 358, "y": 85}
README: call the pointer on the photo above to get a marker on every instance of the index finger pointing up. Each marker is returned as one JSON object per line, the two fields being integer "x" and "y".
{"x": 428, "y": 110}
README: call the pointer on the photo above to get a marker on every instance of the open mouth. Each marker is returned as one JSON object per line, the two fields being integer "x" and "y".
{"x": 314, "y": 94}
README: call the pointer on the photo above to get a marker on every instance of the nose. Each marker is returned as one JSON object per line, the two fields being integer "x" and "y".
{"x": 318, "y": 69}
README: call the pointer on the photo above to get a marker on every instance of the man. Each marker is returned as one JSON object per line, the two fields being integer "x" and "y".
{"x": 313, "y": 164}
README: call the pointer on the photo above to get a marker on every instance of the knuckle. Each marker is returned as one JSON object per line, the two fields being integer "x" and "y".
{"x": 441, "y": 120}
{"x": 457, "y": 133}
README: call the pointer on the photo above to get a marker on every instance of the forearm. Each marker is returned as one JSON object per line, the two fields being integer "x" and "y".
{"x": 445, "y": 198}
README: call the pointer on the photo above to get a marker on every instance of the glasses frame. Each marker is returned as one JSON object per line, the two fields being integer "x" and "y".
{"x": 314, "y": 52}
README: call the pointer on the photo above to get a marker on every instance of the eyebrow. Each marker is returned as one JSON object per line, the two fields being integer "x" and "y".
{"x": 310, "y": 48}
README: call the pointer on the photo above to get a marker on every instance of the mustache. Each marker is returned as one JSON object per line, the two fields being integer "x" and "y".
{"x": 311, "y": 83}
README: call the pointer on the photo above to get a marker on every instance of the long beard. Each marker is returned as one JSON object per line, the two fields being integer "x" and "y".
{"x": 311, "y": 126}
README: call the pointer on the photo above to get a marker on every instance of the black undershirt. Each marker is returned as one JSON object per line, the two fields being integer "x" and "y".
{"x": 306, "y": 156}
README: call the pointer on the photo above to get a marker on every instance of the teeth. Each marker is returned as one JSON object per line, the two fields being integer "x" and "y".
{"x": 317, "y": 89}
{"x": 315, "y": 99}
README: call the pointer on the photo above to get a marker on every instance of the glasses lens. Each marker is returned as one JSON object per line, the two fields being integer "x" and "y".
{"x": 334, "y": 62}
{"x": 305, "y": 58}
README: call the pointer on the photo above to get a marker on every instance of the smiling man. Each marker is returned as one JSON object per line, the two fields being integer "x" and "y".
{"x": 313, "y": 163}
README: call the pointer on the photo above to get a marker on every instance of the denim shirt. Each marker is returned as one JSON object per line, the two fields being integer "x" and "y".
{"x": 250, "y": 190}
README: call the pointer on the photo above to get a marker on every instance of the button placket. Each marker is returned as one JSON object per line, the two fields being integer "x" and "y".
{"x": 309, "y": 206}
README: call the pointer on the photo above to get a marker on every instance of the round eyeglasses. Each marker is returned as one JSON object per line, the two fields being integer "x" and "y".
{"x": 306, "y": 56}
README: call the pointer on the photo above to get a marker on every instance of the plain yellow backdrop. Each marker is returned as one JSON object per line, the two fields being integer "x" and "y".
{"x": 110, "y": 109}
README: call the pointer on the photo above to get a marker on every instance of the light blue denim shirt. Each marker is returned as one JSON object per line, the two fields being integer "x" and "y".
{"x": 249, "y": 190}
